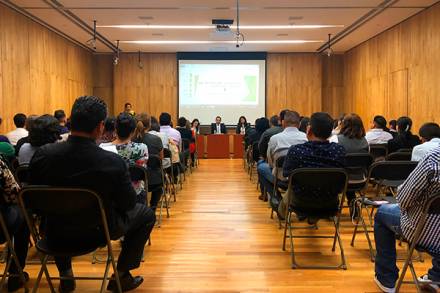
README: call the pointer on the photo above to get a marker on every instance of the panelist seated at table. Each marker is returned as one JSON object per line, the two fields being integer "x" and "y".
{"x": 218, "y": 127}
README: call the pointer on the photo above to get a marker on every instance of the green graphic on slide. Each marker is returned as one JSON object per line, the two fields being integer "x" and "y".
{"x": 251, "y": 82}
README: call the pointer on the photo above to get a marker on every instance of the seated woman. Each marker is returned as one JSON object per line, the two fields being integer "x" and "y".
{"x": 131, "y": 152}
{"x": 404, "y": 138}
{"x": 45, "y": 129}
{"x": 109, "y": 131}
{"x": 15, "y": 223}
{"x": 352, "y": 135}
{"x": 241, "y": 125}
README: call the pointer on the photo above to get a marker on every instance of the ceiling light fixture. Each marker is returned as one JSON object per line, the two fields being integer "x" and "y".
{"x": 239, "y": 37}
{"x": 242, "y": 27}
{"x": 328, "y": 51}
{"x": 116, "y": 56}
{"x": 92, "y": 42}
{"x": 185, "y": 42}
{"x": 140, "y": 64}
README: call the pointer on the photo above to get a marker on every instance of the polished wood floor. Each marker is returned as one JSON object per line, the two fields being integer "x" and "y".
{"x": 220, "y": 238}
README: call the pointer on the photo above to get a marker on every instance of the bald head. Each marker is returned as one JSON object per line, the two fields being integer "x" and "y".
{"x": 291, "y": 119}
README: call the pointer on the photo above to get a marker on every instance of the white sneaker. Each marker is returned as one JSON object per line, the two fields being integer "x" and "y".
{"x": 426, "y": 281}
{"x": 382, "y": 287}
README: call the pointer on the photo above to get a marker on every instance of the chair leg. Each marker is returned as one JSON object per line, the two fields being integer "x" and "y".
{"x": 104, "y": 280}
{"x": 285, "y": 230}
{"x": 367, "y": 235}
{"x": 355, "y": 231}
{"x": 405, "y": 268}
{"x": 8, "y": 265}
{"x": 341, "y": 247}
{"x": 292, "y": 250}
{"x": 115, "y": 270}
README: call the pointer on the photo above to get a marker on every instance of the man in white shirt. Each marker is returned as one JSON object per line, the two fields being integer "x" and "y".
{"x": 278, "y": 146}
{"x": 378, "y": 133}
{"x": 430, "y": 134}
{"x": 20, "y": 131}
{"x": 165, "y": 127}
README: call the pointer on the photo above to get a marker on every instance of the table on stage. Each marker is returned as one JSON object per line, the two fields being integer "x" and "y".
{"x": 220, "y": 146}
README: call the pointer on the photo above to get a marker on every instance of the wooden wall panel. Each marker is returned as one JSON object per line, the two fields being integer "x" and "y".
{"x": 103, "y": 79}
{"x": 40, "y": 71}
{"x": 333, "y": 84}
{"x": 396, "y": 73}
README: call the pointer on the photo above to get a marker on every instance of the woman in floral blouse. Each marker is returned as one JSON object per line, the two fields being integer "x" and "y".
{"x": 15, "y": 223}
{"x": 131, "y": 152}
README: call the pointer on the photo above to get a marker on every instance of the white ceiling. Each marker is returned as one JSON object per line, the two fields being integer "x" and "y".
{"x": 201, "y": 12}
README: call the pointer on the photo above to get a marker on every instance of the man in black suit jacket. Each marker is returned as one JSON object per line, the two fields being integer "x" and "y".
{"x": 218, "y": 126}
{"x": 79, "y": 162}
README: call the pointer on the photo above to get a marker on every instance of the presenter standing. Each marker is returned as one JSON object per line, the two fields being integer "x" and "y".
{"x": 218, "y": 127}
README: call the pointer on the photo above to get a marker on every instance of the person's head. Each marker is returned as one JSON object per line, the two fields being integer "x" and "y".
{"x": 380, "y": 122}
{"x": 60, "y": 116}
{"x": 404, "y": 125}
{"x": 338, "y": 122}
{"x": 188, "y": 125}
{"x": 352, "y": 126}
{"x": 393, "y": 124}
{"x": 242, "y": 120}
{"x": 88, "y": 115}
{"x": 154, "y": 124}
{"x": 165, "y": 119}
{"x": 218, "y": 119}
{"x": 429, "y": 131}
{"x": 30, "y": 120}
{"x": 125, "y": 126}
{"x": 127, "y": 107}
{"x": 181, "y": 122}
{"x": 109, "y": 124}
{"x": 303, "y": 124}
{"x": 261, "y": 124}
{"x": 321, "y": 126}
{"x": 282, "y": 112}
{"x": 45, "y": 129}
{"x": 274, "y": 121}
{"x": 195, "y": 123}
{"x": 20, "y": 120}
{"x": 143, "y": 124}
{"x": 291, "y": 119}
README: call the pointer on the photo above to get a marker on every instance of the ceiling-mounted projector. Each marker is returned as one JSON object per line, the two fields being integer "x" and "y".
{"x": 223, "y": 25}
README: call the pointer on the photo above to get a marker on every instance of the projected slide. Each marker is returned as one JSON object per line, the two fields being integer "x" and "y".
{"x": 222, "y": 87}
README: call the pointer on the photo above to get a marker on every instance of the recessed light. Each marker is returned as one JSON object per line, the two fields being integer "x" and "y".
{"x": 146, "y": 17}
{"x": 157, "y": 34}
{"x": 295, "y": 17}
{"x": 282, "y": 35}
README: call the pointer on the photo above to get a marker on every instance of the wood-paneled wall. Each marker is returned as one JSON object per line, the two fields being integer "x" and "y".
{"x": 39, "y": 70}
{"x": 333, "y": 84}
{"x": 151, "y": 89}
{"x": 397, "y": 72}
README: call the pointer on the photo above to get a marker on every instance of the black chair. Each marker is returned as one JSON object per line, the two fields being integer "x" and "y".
{"x": 21, "y": 175}
{"x": 139, "y": 173}
{"x": 431, "y": 208}
{"x": 278, "y": 184}
{"x": 155, "y": 165}
{"x": 321, "y": 196}
{"x": 378, "y": 151}
{"x": 399, "y": 156}
{"x": 80, "y": 209}
{"x": 404, "y": 150}
{"x": 357, "y": 166}
{"x": 170, "y": 173}
{"x": 11, "y": 256}
{"x": 186, "y": 154}
{"x": 388, "y": 175}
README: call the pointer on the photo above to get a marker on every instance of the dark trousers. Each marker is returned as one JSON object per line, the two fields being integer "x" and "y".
{"x": 156, "y": 193}
{"x": 19, "y": 232}
{"x": 137, "y": 228}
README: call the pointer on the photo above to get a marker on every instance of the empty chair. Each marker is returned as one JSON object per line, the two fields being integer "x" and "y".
{"x": 318, "y": 193}
{"x": 357, "y": 166}
{"x": 378, "y": 151}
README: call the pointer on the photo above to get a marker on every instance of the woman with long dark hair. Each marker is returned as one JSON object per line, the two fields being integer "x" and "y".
{"x": 241, "y": 125}
{"x": 404, "y": 138}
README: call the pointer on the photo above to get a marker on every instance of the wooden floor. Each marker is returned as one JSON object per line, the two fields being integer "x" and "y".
{"x": 220, "y": 238}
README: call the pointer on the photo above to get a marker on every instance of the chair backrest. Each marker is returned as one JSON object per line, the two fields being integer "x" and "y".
{"x": 154, "y": 162}
{"x": 378, "y": 151}
{"x": 392, "y": 170}
{"x": 138, "y": 173}
{"x": 167, "y": 153}
{"x": 22, "y": 175}
{"x": 185, "y": 144}
{"x": 404, "y": 150}
{"x": 399, "y": 156}
{"x": 255, "y": 152}
{"x": 69, "y": 207}
{"x": 357, "y": 165}
{"x": 317, "y": 189}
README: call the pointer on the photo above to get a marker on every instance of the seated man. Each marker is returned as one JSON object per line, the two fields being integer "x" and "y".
{"x": 430, "y": 134}
{"x": 402, "y": 219}
{"x": 218, "y": 127}
{"x": 165, "y": 127}
{"x": 318, "y": 152}
{"x": 15, "y": 223}
{"x": 20, "y": 131}
{"x": 277, "y": 147}
{"x": 378, "y": 133}
{"x": 79, "y": 162}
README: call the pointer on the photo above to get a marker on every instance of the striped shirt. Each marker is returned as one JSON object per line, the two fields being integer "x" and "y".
{"x": 419, "y": 187}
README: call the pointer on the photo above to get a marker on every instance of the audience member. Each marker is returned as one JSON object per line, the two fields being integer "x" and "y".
{"x": 218, "y": 127}
{"x": 62, "y": 119}
{"x": 318, "y": 152}
{"x": 379, "y": 132}
{"x": 45, "y": 129}
{"x": 404, "y": 139}
{"x": 155, "y": 130}
{"x": 337, "y": 124}
{"x": 303, "y": 124}
{"x": 402, "y": 218}
{"x": 430, "y": 134}
{"x": 79, "y": 162}
{"x": 15, "y": 223}
{"x": 265, "y": 137}
{"x": 4, "y": 139}
{"x": 165, "y": 122}
{"x": 109, "y": 134}
{"x": 7, "y": 151}
{"x": 278, "y": 146}
{"x": 241, "y": 125}
{"x": 155, "y": 147}
{"x": 261, "y": 125}
{"x": 184, "y": 132}
{"x": 393, "y": 127}
{"x": 20, "y": 131}
{"x": 352, "y": 135}
{"x": 29, "y": 123}
{"x": 133, "y": 153}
